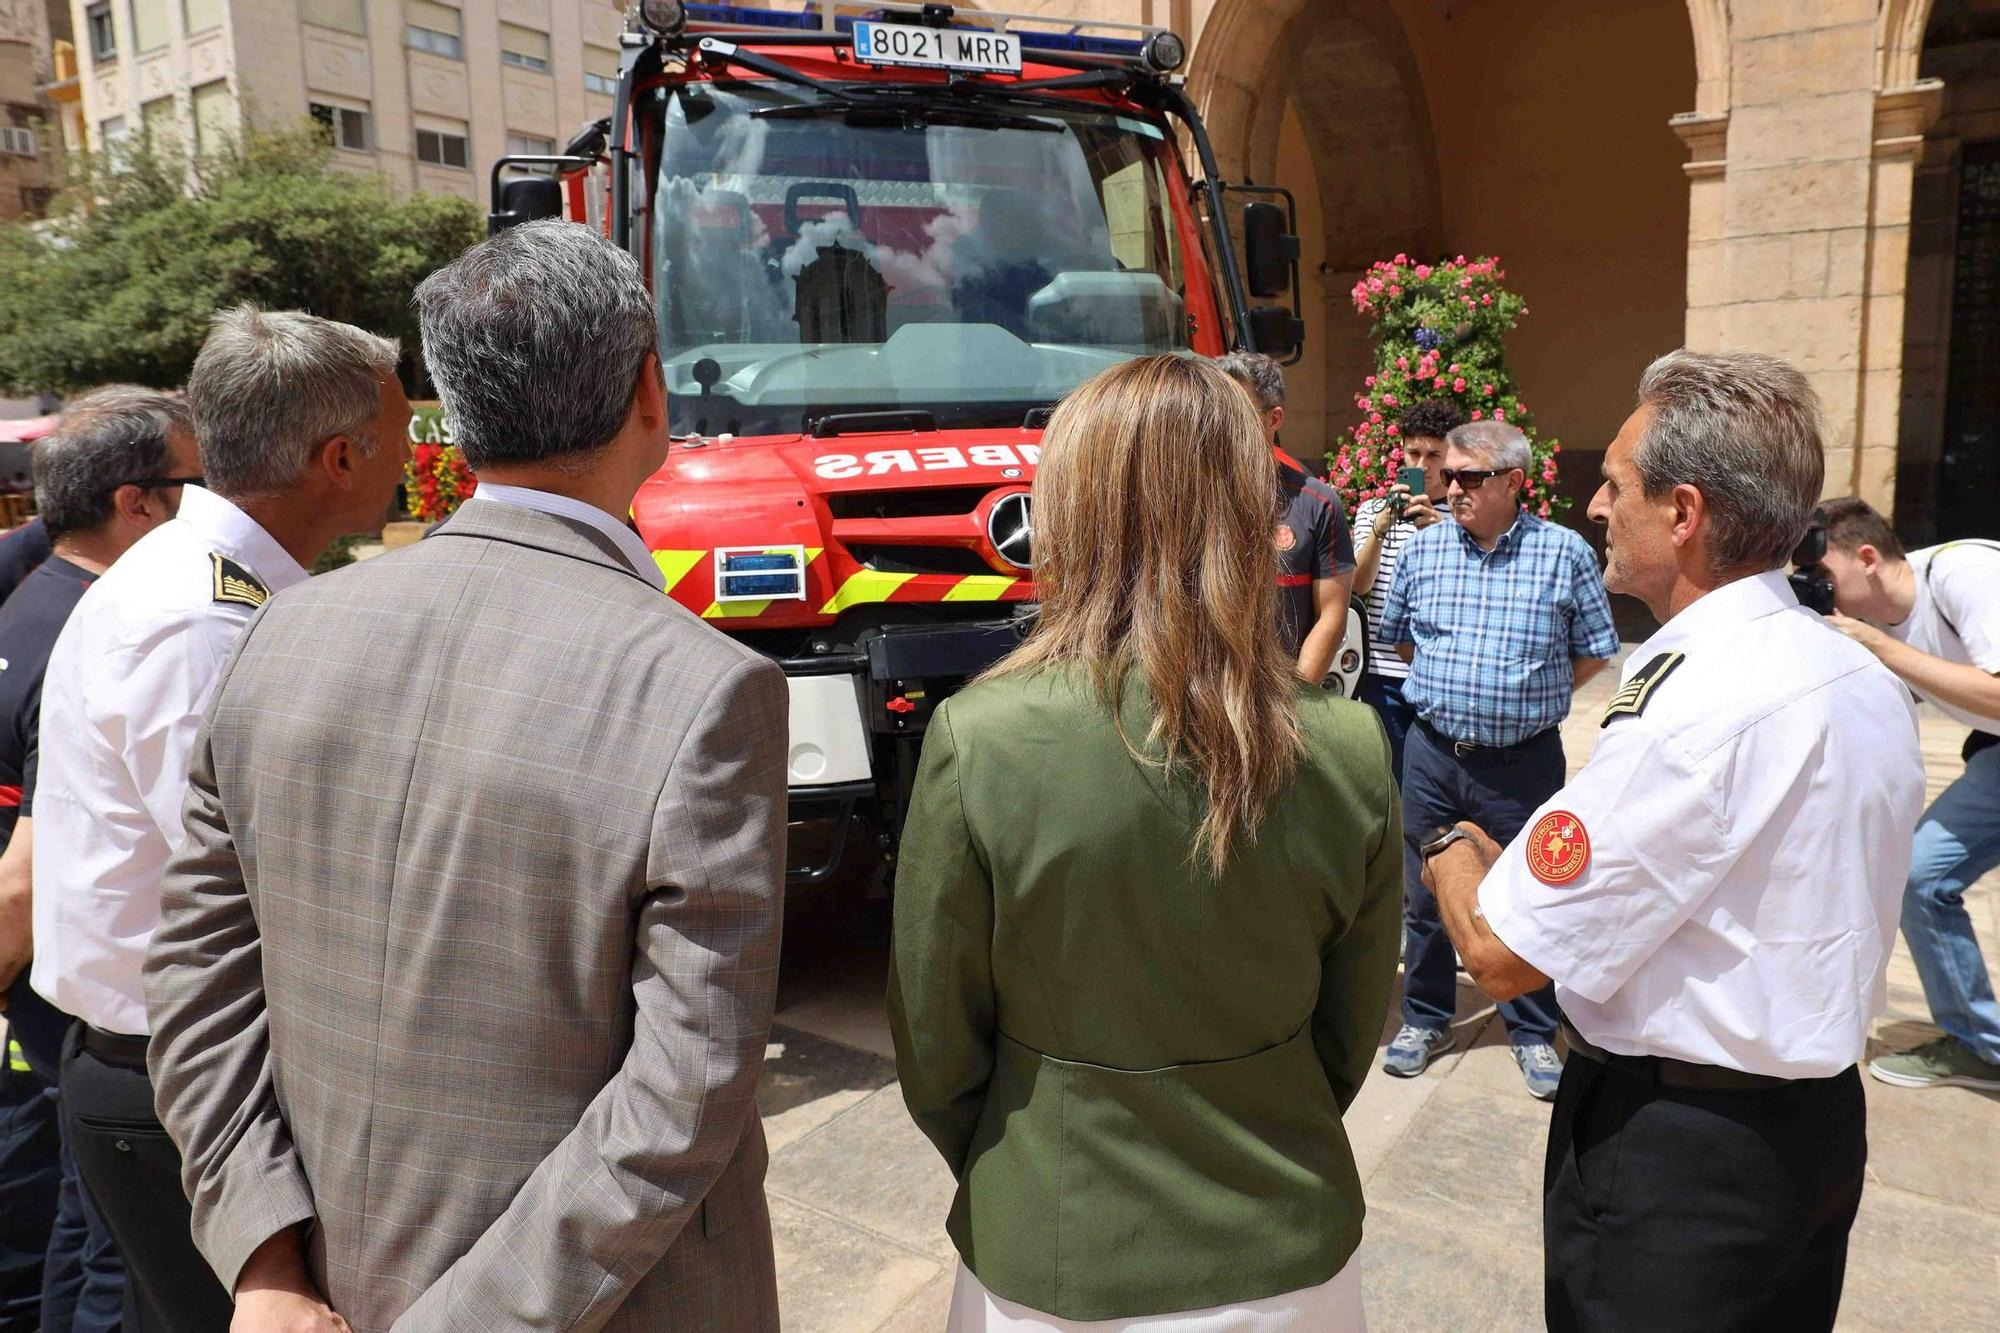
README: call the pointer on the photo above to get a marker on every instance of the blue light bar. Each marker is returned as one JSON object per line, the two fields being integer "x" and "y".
{"x": 741, "y": 16}
{"x": 741, "y": 575}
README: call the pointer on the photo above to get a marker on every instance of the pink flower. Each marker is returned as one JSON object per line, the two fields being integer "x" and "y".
{"x": 1423, "y": 270}
{"x": 1465, "y": 282}
{"x": 1402, "y": 363}
{"x": 1489, "y": 391}
{"x": 1476, "y": 414}
{"x": 1374, "y": 416}
{"x": 1402, "y": 259}
{"x": 1370, "y": 381}
{"x": 1454, "y": 367}
{"x": 1361, "y": 458}
{"x": 1458, "y": 385}
{"x": 1374, "y": 284}
{"x": 1486, "y": 299}
{"x": 1544, "y": 510}
{"x": 1499, "y": 414}
{"x": 1394, "y": 290}
{"x": 1388, "y": 400}
{"x": 1395, "y": 430}
{"x": 1438, "y": 383}
{"x": 1396, "y": 454}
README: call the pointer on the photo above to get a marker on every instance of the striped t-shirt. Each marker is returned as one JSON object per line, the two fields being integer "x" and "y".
{"x": 1382, "y": 659}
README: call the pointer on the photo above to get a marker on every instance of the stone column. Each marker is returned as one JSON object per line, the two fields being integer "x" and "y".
{"x": 1799, "y": 217}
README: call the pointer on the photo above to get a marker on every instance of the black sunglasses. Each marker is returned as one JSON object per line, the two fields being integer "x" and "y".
{"x": 161, "y": 483}
{"x": 1471, "y": 479}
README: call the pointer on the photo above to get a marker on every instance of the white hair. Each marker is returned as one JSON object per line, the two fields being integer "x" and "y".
{"x": 1498, "y": 444}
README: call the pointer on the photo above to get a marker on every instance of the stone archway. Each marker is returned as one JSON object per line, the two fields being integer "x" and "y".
{"x": 1507, "y": 126}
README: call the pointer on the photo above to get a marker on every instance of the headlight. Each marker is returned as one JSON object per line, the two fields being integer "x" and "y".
{"x": 1165, "y": 52}
{"x": 665, "y": 17}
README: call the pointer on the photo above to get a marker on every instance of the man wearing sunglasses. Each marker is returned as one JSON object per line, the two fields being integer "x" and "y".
{"x": 1500, "y": 615}
{"x": 104, "y": 480}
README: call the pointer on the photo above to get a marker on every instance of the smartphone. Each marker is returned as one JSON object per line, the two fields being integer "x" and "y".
{"x": 1412, "y": 477}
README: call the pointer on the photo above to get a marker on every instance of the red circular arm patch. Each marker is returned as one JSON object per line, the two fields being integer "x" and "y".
{"x": 1558, "y": 849}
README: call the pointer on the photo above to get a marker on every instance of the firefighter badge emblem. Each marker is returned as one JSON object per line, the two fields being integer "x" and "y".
{"x": 1284, "y": 538}
{"x": 1558, "y": 849}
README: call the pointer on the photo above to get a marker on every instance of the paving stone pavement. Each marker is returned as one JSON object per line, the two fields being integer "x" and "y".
{"x": 1450, "y": 1162}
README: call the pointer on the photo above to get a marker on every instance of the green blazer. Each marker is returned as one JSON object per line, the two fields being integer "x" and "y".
{"x": 1136, "y": 1070}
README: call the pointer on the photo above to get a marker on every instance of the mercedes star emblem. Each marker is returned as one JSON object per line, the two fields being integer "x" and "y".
{"x": 1010, "y": 530}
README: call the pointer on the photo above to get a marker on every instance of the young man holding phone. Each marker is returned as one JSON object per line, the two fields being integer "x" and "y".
{"x": 1381, "y": 526}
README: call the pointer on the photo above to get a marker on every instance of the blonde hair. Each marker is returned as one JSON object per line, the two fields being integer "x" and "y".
{"x": 1155, "y": 504}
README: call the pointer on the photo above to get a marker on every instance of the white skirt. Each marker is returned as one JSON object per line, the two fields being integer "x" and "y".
{"x": 1334, "y": 1306}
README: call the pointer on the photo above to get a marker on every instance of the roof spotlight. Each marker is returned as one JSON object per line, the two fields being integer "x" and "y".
{"x": 1165, "y": 52}
{"x": 665, "y": 17}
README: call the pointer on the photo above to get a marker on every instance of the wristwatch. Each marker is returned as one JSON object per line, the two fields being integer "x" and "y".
{"x": 1443, "y": 836}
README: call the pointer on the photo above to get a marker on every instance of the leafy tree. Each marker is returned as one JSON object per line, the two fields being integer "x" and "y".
{"x": 1438, "y": 334}
{"x": 139, "y": 252}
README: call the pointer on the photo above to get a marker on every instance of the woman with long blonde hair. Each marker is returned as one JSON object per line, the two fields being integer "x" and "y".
{"x": 1147, "y": 908}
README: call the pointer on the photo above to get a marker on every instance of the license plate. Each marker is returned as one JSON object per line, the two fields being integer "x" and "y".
{"x": 937, "y": 48}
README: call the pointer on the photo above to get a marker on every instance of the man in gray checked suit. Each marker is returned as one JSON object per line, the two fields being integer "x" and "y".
{"x": 464, "y": 980}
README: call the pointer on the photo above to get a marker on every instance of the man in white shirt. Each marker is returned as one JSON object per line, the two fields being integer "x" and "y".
{"x": 1714, "y": 895}
{"x": 1933, "y": 618}
{"x": 301, "y": 425}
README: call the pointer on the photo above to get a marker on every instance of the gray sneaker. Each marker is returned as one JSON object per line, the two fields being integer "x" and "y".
{"x": 1944, "y": 1063}
{"x": 1540, "y": 1067}
{"x": 1414, "y": 1048}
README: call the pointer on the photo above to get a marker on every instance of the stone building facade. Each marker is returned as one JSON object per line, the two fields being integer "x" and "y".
{"x": 1814, "y": 178}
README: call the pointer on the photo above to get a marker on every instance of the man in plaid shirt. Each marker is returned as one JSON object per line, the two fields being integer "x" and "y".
{"x": 1501, "y": 616}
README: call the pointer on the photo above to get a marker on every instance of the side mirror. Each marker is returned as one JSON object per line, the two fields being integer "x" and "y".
{"x": 526, "y": 199}
{"x": 1270, "y": 253}
{"x": 1276, "y": 331}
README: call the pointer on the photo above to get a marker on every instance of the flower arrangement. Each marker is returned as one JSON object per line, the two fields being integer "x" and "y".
{"x": 436, "y": 480}
{"x": 1438, "y": 334}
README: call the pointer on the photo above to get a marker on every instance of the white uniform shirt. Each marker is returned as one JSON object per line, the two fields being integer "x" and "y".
{"x": 1958, "y": 582}
{"x": 562, "y": 506}
{"x": 1723, "y": 880}
{"x": 128, "y": 682}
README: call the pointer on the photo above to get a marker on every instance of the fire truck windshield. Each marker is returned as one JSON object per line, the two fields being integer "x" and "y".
{"x": 972, "y": 260}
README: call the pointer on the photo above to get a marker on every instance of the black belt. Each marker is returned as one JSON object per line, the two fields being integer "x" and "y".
{"x": 116, "y": 1048}
{"x": 1468, "y": 749}
{"x": 1672, "y": 1073}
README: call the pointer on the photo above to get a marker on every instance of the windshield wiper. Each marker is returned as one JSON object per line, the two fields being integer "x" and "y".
{"x": 884, "y": 109}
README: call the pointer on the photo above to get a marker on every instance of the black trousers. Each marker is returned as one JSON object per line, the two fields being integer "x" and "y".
{"x": 1665, "y": 1209}
{"x": 133, "y": 1171}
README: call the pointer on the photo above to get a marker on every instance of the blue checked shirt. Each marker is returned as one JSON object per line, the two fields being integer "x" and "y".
{"x": 1495, "y": 630}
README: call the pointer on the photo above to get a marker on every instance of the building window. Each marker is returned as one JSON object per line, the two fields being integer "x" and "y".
{"x": 340, "y": 15}
{"x": 530, "y": 145}
{"x": 159, "y": 120}
{"x": 214, "y": 114}
{"x": 18, "y": 141}
{"x": 441, "y": 149}
{"x": 601, "y": 83}
{"x": 524, "y": 48}
{"x": 600, "y": 70}
{"x": 434, "y": 28}
{"x": 103, "y": 32}
{"x": 350, "y": 127}
{"x": 150, "y": 30}
{"x": 200, "y": 15}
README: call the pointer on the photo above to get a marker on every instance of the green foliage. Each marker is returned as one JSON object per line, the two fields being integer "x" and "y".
{"x": 120, "y": 283}
{"x": 1439, "y": 333}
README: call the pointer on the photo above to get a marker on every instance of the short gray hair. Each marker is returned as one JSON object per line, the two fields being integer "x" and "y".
{"x": 1744, "y": 430}
{"x": 1258, "y": 373}
{"x": 536, "y": 337}
{"x": 110, "y": 437}
{"x": 1497, "y": 444}
{"x": 270, "y": 385}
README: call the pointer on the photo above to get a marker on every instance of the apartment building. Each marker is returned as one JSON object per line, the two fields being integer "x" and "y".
{"x": 426, "y": 92}
{"x": 30, "y": 130}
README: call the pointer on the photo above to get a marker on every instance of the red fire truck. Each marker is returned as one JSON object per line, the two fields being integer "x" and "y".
{"x": 884, "y": 240}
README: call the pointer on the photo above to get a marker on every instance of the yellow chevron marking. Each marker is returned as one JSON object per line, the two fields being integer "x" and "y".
{"x": 980, "y": 588}
{"x": 860, "y": 589}
{"x": 677, "y": 565}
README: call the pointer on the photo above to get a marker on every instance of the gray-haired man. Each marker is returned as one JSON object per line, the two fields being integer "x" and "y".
{"x": 302, "y": 431}
{"x": 471, "y": 956}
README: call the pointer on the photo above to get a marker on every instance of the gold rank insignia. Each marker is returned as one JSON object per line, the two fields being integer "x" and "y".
{"x": 233, "y": 583}
{"x": 1632, "y": 696}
